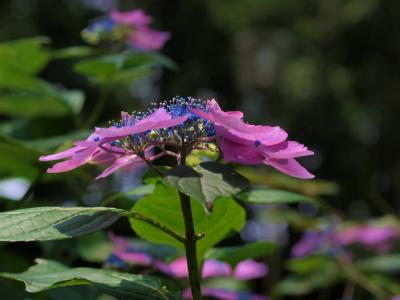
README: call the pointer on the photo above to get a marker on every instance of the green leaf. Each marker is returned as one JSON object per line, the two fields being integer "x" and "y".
{"x": 235, "y": 254}
{"x": 74, "y": 99}
{"x": 26, "y": 55}
{"x": 28, "y": 104}
{"x": 52, "y": 223}
{"x": 121, "y": 67}
{"x": 72, "y": 52}
{"x": 207, "y": 181}
{"x": 95, "y": 247}
{"x": 164, "y": 206}
{"x": 382, "y": 263}
{"x": 49, "y": 274}
{"x": 268, "y": 196}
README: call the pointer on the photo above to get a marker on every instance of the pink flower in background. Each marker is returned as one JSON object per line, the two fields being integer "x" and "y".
{"x": 140, "y": 35}
{"x": 254, "y": 144}
{"x": 225, "y": 294}
{"x": 378, "y": 238}
{"x": 136, "y": 17}
{"x": 372, "y": 237}
{"x": 149, "y": 39}
{"x": 249, "y": 269}
{"x": 126, "y": 251}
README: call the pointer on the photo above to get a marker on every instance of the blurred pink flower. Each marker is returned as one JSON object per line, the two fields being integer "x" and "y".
{"x": 372, "y": 237}
{"x": 149, "y": 39}
{"x": 140, "y": 35}
{"x": 255, "y": 144}
{"x": 126, "y": 251}
{"x": 225, "y": 294}
{"x": 249, "y": 269}
{"x": 136, "y": 17}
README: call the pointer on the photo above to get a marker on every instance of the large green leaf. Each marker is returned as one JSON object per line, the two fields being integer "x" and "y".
{"x": 50, "y": 274}
{"x": 235, "y": 254}
{"x": 268, "y": 196}
{"x": 207, "y": 181}
{"x": 51, "y": 223}
{"x": 164, "y": 206}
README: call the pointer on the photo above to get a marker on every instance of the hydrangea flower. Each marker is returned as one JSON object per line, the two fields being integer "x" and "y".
{"x": 183, "y": 123}
{"x": 132, "y": 27}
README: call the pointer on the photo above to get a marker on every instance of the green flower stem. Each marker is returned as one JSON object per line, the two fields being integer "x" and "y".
{"x": 191, "y": 239}
{"x": 160, "y": 226}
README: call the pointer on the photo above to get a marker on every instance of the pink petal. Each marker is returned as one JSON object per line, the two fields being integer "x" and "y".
{"x": 157, "y": 120}
{"x": 122, "y": 162}
{"x": 239, "y": 153}
{"x": 250, "y": 269}
{"x": 215, "y": 268}
{"x": 61, "y": 155}
{"x": 136, "y": 17}
{"x": 149, "y": 39}
{"x": 287, "y": 149}
{"x": 78, "y": 159}
{"x": 290, "y": 167}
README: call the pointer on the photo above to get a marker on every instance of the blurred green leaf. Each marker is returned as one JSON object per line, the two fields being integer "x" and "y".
{"x": 49, "y": 274}
{"x": 74, "y": 99}
{"x": 27, "y": 55}
{"x": 268, "y": 196}
{"x": 207, "y": 181}
{"x": 52, "y": 223}
{"x": 122, "y": 67}
{"x": 388, "y": 263}
{"x": 164, "y": 206}
{"x": 95, "y": 247}
{"x": 309, "y": 264}
{"x": 28, "y": 104}
{"x": 302, "y": 285}
{"x": 235, "y": 254}
{"x": 72, "y": 52}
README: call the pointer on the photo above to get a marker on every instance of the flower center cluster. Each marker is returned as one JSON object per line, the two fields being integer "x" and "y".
{"x": 189, "y": 132}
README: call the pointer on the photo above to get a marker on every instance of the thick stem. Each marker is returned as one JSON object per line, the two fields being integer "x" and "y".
{"x": 190, "y": 240}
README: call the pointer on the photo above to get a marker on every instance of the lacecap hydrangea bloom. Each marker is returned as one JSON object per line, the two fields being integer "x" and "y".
{"x": 129, "y": 27}
{"x": 183, "y": 124}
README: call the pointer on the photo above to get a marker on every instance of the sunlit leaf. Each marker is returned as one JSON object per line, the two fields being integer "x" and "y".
{"x": 49, "y": 274}
{"x": 52, "y": 223}
{"x": 207, "y": 181}
{"x": 164, "y": 206}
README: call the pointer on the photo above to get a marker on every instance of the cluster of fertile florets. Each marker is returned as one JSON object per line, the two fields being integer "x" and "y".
{"x": 177, "y": 127}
